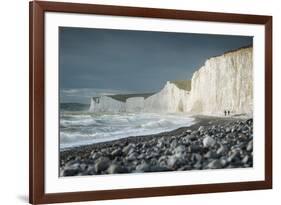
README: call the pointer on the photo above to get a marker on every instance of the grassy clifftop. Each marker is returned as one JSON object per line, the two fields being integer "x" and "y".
{"x": 124, "y": 97}
{"x": 182, "y": 84}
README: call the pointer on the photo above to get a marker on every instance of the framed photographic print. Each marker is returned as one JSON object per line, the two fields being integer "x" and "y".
{"x": 139, "y": 102}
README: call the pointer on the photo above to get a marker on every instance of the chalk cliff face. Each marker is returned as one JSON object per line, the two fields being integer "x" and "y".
{"x": 223, "y": 83}
{"x": 106, "y": 104}
{"x": 169, "y": 99}
{"x": 135, "y": 104}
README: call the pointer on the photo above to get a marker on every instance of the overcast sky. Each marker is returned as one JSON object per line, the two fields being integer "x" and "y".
{"x": 104, "y": 61}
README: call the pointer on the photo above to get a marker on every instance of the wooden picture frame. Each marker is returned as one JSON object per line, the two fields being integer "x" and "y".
{"x": 37, "y": 12}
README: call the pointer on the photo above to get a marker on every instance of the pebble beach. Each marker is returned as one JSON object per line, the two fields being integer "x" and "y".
{"x": 210, "y": 143}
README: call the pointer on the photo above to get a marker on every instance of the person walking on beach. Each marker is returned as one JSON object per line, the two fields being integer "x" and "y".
{"x": 228, "y": 112}
{"x": 224, "y": 112}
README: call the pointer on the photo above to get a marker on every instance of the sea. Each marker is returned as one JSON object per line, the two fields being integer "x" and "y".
{"x": 79, "y": 127}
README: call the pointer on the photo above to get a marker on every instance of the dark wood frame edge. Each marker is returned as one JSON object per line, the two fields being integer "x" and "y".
{"x": 36, "y": 104}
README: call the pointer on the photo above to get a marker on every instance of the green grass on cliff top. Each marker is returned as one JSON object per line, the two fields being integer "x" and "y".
{"x": 182, "y": 84}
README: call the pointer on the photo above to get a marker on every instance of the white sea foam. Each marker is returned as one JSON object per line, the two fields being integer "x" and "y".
{"x": 80, "y": 128}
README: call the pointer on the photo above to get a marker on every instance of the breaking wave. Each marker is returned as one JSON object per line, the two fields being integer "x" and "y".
{"x": 81, "y": 128}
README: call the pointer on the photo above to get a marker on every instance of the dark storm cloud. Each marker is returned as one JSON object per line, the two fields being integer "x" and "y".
{"x": 138, "y": 61}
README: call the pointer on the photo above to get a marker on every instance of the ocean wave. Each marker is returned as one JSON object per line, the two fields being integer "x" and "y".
{"x": 88, "y": 129}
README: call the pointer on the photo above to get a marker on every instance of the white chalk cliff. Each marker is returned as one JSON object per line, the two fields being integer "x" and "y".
{"x": 135, "y": 104}
{"x": 224, "y": 83}
{"x": 170, "y": 99}
{"x": 106, "y": 104}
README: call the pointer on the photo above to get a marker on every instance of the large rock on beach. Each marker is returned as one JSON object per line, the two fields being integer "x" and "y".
{"x": 102, "y": 164}
{"x": 116, "y": 168}
{"x": 209, "y": 141}
{"x": 215, "y": 164}
{"x": 143, "y": 167}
